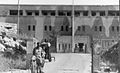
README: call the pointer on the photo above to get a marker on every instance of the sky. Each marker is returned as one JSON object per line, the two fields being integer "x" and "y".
{"x": 62, "y": 2}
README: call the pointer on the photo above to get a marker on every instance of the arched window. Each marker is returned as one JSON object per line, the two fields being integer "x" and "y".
{"x": 50, "y": 28}
{"x": 100, "y": 28}
{"x": 45, "y": 28}
{"x": 33, "y": 27}
{"x": 62, "y": 28}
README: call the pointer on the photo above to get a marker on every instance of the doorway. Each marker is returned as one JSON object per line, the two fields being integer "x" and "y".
{"x": 80, "y": 45}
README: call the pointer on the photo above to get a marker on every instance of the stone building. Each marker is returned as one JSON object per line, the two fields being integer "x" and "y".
{"x": 46, "y": 22}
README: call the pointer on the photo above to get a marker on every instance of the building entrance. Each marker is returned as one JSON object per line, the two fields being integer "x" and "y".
{"x": 80, "y": 46}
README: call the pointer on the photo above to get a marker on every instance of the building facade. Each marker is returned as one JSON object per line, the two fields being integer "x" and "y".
{"x": 47, "y": 22}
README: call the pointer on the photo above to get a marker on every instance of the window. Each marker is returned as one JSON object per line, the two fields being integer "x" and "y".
{"x": 33, "y": 27}
{"x": 53, "y": 13}
{"x": 37, "y": 13}
{"x": 83, "y": 28}
{"x": 69, "y": 13}
{"x": 62, "y": 28}
{"x": 95, "y": 28}
{"x": 29, "y": 28}
{"x": 113, "y": 13}
{"x": 113, "y": 28}
{"x": 117, "y": 28}
{"x": 48, "y": 12}
{"x": 61, "y": 13}
{"x": 64, "y": 13}
{"x": 29, "y": 13}
{"x": 50, "y": 28}
{"x": 66, "y": 28}
{"x": 59, "y": 46}
{"x": 15, "y": 12}
{"x": 45, "y": 13}
{"x": 45, "y": 28}
{"x": 85, "y": 13}
{"x": 77, "y": 13}
{"x": 118, "y": 13}
{"x": 100, "y": 28}
{"x": 69, "y": 45}
{"x": 63, "y": 46}
{"x": 79, "y": 28}
{"x": 102, "y": 13}
{"x": 93, "y": 13}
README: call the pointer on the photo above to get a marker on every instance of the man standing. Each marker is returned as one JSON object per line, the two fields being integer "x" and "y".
{"x": 47, "y": 51}
{"x": 38, "y": 52}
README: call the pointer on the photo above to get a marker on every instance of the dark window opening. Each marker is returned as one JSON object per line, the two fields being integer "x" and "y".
{"x": 53, "y": 13}
{"x": 79, "y": 28}
{"x": 45, "y": 28}
{"x": 33, "y": 27}
{"x": 21, "y": 12}
{"x": 62, "y": 28}
{"x": 48, "y": 12}
{"x": 45, "y": 13}
{"x": 50, "y": 28}
{"x": 118, "y": 13}
{"x": 29, "y": 28}
{"x": 15, "y": 12}
{"x": 77, "y": 13}
{"x": 102, "y": 13}
{"x": 83, "y": 28}
{"x": 85, "y": 13}
{"x": 59, "y": 46}
{"x": 67, "y": 28}
{"x": 117, "y": 28}
{"x": 113, "y": 28}
{"x": 112, "y": 13}
{"x": 69, "y": 13}
{"x": 100, "y": 28}
{"x": 95, "y": 28}
{"x": 37, "y": 13}
{"x": 29, "y": 13}
{"x": 93, "y": 13}
{"x": 61, "y": 13}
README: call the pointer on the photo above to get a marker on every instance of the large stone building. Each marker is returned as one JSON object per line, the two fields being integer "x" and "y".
{"x": 49, "y": 22}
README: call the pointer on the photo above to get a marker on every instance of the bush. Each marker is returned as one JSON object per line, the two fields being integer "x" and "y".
{"x": 14, "y": 59}
{"x": 9, "y": 63}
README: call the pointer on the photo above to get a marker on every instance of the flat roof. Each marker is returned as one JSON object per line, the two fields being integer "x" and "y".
{"x": 61, "y": 2}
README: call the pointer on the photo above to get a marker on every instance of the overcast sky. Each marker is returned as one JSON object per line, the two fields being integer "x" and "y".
{"x": 62, "y": 2}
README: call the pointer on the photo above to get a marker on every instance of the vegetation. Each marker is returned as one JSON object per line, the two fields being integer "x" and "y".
{"x": 13, "y": 58}
{"x": 112, "y": 55}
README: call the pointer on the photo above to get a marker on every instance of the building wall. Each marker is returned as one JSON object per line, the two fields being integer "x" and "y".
{"x": 87, "y": 24}
{"x": 64, "y": 43}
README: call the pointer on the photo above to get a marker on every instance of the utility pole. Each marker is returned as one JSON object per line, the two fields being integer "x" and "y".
{"x": 18, "y": 18}
{"x": 72, "y": 26}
